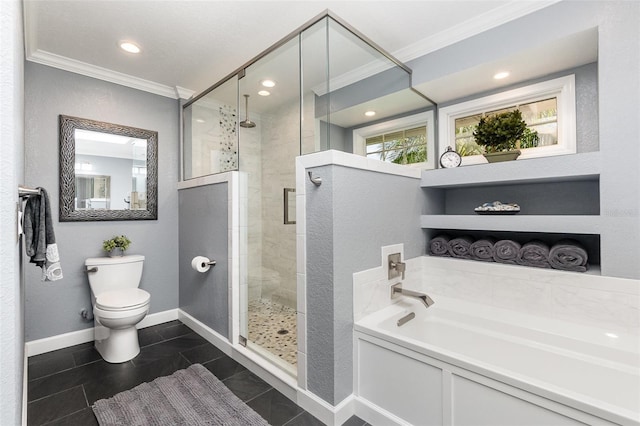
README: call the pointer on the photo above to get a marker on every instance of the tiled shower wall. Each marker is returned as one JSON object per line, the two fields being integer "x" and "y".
{"x": 280, "y": 140}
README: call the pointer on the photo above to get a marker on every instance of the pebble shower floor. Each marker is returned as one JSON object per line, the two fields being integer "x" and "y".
{"x": 273, "y": 327}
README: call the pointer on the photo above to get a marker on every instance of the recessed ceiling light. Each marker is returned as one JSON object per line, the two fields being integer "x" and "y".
{"x": 129, "y": 46}
{"x": 264, "y": 93}
{"x": 370, "y": 113}
{"x": 501, "y": 75}
{"x": 268, "y": 83}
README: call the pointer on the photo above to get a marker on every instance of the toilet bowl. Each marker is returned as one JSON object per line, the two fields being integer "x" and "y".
{"x": 118, "y": 305}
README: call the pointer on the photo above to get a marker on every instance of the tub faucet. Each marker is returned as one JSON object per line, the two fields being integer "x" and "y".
{"x": 397, "y": 289}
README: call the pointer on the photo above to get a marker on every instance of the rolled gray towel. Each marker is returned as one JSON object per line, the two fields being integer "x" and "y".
{"x": 534, "y": 253}
{"x": 568, "y": 255}
{"x": 506, "y": 251}
{"x": 483, "y": 249}
{"x": 439, "y": 246}
{"x": 459, "y": 247}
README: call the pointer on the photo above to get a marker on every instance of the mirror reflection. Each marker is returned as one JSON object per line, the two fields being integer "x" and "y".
{"x": 111, "y": 171}
{"x": 107, "y": 171}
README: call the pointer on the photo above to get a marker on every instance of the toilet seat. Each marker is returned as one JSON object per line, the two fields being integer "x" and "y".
{"x": 122, "y": 300}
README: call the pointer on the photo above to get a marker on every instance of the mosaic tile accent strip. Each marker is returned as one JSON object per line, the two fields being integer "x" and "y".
{"x": 273, "y": 327}
{"x": 228, "y": 142}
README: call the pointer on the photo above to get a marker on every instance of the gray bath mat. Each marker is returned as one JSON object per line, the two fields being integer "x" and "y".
{"x": 192, "y": 396}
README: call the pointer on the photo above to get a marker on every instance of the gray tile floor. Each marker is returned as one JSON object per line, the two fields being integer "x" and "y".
{"x": 64, "y": 384}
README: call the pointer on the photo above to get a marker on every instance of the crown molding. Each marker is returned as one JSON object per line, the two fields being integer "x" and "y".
{"x": 183, "y": 93}
{"x": 78, "y": 67}
{"x": 474, "y": 26}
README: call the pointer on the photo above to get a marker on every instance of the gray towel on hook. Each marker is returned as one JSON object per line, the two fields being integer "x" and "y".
{"x": 568, "y": 255}
{"x": 534, "y": 253}
{"x": 483, "y": 249}
{"x": 40, "y": 239}
{"x": 506, "y": 251}
{"x": 439, "y": 246}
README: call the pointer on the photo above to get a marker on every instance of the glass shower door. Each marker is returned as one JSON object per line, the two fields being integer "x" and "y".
{"x": 269, "y": 140}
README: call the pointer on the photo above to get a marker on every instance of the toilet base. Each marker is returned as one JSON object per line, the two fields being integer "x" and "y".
{"x": 120, "y": 346}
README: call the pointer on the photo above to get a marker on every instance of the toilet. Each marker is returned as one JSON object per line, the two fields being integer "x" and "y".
{"x": 118, "y": 305}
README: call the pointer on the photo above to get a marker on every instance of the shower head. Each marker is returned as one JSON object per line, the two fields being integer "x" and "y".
{"x": 246, "y": 123}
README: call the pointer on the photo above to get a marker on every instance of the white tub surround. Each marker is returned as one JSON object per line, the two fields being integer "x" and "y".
{"x": 496, "y": 348}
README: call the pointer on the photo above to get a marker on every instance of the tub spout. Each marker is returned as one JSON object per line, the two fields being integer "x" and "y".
{"x": 397, "y": 289}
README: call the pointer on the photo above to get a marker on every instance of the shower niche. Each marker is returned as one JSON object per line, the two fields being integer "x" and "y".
{"x": 305, "y": 94}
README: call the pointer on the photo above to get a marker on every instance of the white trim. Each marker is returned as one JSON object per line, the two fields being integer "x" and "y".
{"x": 427, "y": 118}
{"x": 562, "y": 87}
{"x": 346, "y": 159}
{"x": 373, "y": 414}
{"x": 491, "y": 19}
{"x": 205, "y": 180}
{"x": 233, "y": 250}
{"x": 182, "y": 93}
{"x": 48, "y": 344}
{"x": 25, "y": 386}
{"x": 89, "y": 70}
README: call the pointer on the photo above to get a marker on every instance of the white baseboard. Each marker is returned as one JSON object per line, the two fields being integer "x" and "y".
{"x": 375, "y": 415}
{"x": 48, "y": 344}
{"x": 25, "y": 387}
{"x": 215, "y": 338}
{"x": 324, "y": 411}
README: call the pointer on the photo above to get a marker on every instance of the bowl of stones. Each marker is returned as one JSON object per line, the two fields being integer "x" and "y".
{"x": 498, "y": 208}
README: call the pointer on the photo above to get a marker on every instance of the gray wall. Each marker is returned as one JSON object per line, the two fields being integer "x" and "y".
{"x": 204, "y": 228}
{"x": 349, "y": 218}
{"x": 53, "y": 308}
{"x": 11, "y": 175}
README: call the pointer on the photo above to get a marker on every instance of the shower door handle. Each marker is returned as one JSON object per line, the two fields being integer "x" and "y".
{"x": 289, "y": 193}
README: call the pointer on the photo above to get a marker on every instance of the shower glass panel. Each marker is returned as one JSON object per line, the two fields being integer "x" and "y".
{"x": 210, "y": 129}
{"x": 271, "y": 89}
{"x": 307, "y": 93}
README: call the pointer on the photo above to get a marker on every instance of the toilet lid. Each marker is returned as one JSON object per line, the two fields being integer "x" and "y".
{"x": 122, "y": 299}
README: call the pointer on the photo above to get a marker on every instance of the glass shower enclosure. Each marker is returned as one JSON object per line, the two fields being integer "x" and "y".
{"x": 305, "y": 94}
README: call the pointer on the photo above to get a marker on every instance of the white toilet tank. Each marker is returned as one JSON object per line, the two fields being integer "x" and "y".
{"x": 114, "y": 273}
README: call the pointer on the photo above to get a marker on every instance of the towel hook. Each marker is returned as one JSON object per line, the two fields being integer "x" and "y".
{"x": 317, "y": 181}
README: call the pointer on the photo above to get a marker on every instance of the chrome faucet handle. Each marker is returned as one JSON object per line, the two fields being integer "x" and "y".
{"x": 396, "y": 267}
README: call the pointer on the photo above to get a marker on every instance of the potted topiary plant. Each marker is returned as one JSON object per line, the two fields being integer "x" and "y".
{"x": 499, "y": 134}
{"x": 117, "y": 245}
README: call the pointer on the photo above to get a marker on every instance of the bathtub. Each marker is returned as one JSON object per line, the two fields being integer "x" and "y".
{"x": 580, "y": 374}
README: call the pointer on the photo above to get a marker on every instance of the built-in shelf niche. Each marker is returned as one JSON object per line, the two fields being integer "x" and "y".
{"x": 591, "y": 242}
{"x": 580, "y": 197}
{"x": 559, "y": 198}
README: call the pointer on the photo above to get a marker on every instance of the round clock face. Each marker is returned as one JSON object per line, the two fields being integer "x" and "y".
{"x": 450, "y": 159}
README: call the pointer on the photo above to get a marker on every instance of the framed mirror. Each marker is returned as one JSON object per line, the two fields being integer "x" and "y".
{"x": 107, "y": 171}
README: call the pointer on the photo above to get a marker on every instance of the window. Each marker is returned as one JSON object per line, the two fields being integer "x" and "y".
{"x": 548, "y": 108}
{"x": 408, "y": 140}
{"x": 401, "y": 147}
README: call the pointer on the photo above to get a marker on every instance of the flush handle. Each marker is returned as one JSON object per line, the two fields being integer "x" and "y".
{"x": 91, "y": 270}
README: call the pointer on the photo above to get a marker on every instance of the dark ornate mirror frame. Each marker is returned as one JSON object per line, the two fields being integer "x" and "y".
{"x": 68, "y": 125}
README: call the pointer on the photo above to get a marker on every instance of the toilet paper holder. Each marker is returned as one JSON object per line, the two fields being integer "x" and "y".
{"x": 210, "y": 263}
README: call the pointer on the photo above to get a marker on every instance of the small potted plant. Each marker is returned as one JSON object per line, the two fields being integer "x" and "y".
{"x": 117, "y": 245}
{"x": 500, "y": 134}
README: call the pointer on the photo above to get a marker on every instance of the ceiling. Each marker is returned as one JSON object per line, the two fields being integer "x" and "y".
{"x": 189, "y": 45}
